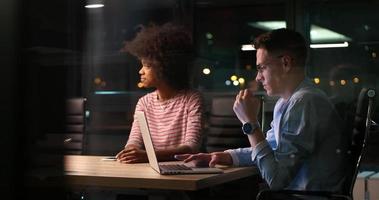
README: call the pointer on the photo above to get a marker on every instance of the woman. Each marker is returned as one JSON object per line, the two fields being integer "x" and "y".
{"x": 173, "y": 110}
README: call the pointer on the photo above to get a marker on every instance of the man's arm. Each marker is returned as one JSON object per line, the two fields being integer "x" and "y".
{"x": 246, "y": 108}
{"x": 278, "y": 167}
{"x": 297, "y": 141}
{"x": 207, "y": 159}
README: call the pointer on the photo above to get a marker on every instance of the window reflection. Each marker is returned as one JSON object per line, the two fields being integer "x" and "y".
{"x": 351, "y": 26}
{"x": 222, "y": 32}
{"x": 77, "y": 50}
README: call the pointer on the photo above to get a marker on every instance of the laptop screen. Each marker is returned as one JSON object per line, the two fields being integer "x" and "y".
{"x": 149, "y": 147}
{"x": 153, "y": 161}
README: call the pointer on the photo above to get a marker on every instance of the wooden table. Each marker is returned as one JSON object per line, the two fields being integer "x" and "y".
{"x": 92, "y": 171}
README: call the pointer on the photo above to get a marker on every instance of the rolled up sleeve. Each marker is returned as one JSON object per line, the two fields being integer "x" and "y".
{"x": 241, "y": 157}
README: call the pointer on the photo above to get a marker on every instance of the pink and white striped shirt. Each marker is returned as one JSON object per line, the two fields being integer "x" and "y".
{"x": 174, "y": 122}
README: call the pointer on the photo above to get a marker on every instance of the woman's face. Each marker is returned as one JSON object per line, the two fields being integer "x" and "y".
{"x": 148, "y": 74}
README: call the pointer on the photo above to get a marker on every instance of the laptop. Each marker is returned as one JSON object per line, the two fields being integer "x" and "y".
{"x": 167, "y": 169}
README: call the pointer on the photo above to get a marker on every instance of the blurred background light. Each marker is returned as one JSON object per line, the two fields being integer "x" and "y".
{"x": 206, "y": 71}
{"x": 355, "y": 80}
{"x": 316, "y": 80}
{"x": 94, "y": 4}
{"x": 233, "y": 78}
{"x": 241, "y": 80}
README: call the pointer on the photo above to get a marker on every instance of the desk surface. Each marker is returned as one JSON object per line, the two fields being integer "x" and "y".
{"x": 92, "y": 171}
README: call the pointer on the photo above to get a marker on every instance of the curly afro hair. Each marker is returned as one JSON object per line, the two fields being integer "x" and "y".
{"x": 170, "y": 50}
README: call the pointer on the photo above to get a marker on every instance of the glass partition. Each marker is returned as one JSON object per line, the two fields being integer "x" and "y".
{"x": 345, "y": 38}
{"x": 71, "y": 50}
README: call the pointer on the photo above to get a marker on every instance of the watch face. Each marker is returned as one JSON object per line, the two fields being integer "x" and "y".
{"x": 247, "y": 128}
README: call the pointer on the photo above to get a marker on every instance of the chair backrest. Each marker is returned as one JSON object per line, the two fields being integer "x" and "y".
{"x": 224, "y": 128}
{"x": 70, "y": 140}
{"x": 75, "y": 125}
{"x": 362, "y": 123}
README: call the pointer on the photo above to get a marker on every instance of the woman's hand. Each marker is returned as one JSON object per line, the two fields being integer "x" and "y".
{"x": 132, "y": 154}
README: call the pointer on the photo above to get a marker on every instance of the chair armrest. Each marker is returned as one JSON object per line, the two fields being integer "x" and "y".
{"x": 297, "y": 194}
{"x": 374, "y": 126}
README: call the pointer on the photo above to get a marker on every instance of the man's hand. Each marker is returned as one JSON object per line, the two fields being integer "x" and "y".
{"x": 246, "y": 107}
{"x": 132, "y": 155}
{"x": 206, "y": 159}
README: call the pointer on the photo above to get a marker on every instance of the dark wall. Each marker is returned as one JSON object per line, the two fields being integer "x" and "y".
{"x": 8, "y": 88}
{"x": 47, "y": 60}
{"x": 33, "y": 89}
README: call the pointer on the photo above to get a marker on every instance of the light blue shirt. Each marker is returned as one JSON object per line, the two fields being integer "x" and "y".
{"x": 305, "y": 147}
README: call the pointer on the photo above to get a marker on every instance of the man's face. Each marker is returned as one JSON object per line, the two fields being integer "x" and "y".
{"x": 148, "y": 76}
{"x": 270, "y": 72}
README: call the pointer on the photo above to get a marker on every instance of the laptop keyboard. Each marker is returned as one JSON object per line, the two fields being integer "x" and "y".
{"x": 174, "y": 167}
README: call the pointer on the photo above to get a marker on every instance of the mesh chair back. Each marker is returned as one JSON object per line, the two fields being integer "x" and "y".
{"x": 224, "y": 129}
{"x": 360, "y": 133}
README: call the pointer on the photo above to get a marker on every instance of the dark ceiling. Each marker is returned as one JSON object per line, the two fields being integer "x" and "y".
{"x": 66, "y": 24}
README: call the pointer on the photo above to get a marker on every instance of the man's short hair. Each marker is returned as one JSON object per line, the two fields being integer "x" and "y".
{"x": 169, "y": 48}
{"x": 284, "y": 40}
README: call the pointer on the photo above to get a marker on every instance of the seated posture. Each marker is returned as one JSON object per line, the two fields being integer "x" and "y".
{"x": 305, "y": 148}
{"x": 173, "y": 110}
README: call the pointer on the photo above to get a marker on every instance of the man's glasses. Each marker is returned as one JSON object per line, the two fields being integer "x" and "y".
{"x": 262, "y": 67}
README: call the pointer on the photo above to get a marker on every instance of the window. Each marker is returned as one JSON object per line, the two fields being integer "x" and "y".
{"x": 221, "y": 30}
{"x": 352, "y": 62}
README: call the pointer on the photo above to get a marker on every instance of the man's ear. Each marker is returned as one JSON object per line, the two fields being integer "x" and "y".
{"x": 287, "y": 63}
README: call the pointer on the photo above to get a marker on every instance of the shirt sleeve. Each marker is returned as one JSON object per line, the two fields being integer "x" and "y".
{"x": 135, "y": 136}
{"x": 194, "y": 122}
{"x": 241, "y": 157}
{"x": 297, "y": 141}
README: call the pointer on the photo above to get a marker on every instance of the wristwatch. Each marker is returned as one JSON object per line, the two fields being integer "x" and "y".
{"x": 249, "y": 128}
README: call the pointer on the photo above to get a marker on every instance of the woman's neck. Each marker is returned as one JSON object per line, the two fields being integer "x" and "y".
{"x": 164, "y": 93}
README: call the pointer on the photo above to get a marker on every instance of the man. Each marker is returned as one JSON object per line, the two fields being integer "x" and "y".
{"x": 304, "y": 149}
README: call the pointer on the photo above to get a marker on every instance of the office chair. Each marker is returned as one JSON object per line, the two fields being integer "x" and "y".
{"x": 224, "y": 129}
{"x": 70, "y": 140}
{"x": 74, "y": 141}
{"x": 362, "y": 126}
